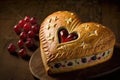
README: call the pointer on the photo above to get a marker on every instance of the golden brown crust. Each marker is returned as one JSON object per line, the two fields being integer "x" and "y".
{"x": 92, "y": 38}
{"x": 68, "y": 69}
{"x": 49, "y": 30}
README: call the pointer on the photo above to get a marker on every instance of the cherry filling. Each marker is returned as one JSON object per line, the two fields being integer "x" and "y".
{"x": 64, "y": 36}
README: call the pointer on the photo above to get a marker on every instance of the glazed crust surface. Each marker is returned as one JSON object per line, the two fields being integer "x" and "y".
{"x": 93, "y": 38}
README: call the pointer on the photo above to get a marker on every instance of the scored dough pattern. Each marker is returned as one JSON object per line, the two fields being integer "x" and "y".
{"x": 84, "y": 45}
{"x": 55, "y": 18}
{"x": 44, "y": 42}
{"x": 86, "y": 27}
{"x": 89, "y": 37}
{"x": 93, "y": 33}
{"x": 69, "y": 20}
{"x": 50, "y": 36}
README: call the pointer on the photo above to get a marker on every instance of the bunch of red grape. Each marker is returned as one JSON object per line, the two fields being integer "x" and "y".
{"x": 27, "y": 29}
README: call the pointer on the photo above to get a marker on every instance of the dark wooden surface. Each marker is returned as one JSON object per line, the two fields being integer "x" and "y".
{"x": 106, "y": 12}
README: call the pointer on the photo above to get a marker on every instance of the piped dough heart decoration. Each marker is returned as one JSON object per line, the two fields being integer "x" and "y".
{"x": 64, "y": 36}
{"x": 66, "y": 44}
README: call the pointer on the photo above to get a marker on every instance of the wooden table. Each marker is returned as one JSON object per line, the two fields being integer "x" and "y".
{"x": 15, "y": 68}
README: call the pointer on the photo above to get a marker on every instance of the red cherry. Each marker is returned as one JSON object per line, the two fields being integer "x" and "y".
{"x": 23, "y": 35}
{"x": 63, "y": 35}
{"x": 17, "y": 29}
{"x": 21, "y": 23}
{"x": 71, "y": 36}
{"x": 27, "y": 19}
{"x": 27, "y": 27}
{"x": 29, "y": 43}
{"x": 20, "y": 43}
{"x": 35, "y": 29}
{"x": 11, "y": 48}
{"x": 22, "y": 52}
{"x": 33, "y": 20}
{"x": 31, "y": 34}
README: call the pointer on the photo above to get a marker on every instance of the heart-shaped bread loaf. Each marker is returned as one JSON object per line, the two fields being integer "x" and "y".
{"x": 66, "y": 44}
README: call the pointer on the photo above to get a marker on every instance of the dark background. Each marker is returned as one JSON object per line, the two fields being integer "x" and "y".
{"x": 106, "y": 12}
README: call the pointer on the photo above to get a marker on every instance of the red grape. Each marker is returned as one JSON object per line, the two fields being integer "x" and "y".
{"x": 35, "y": 29}
{"x": 23, "y": 35}
{"x": 20, "y": 43}
{"x": 27, "y": 27}
{"x": 31, "y": 34}
{"x": 22, "y": 52}
{"x": 27, "y": 19}
{"x": 11, "y": 48}
{"x": 33, "y": 20}
{"x": 17, "y": 29}
{"x": 29, "y": 43}
{"x": 21, "y": 23}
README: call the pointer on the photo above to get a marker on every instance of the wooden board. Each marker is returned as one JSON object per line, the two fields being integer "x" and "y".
{"x": 37, "y": 68}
